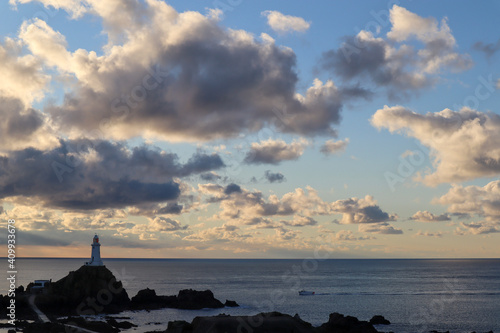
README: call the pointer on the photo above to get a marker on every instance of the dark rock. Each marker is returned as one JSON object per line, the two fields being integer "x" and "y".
{"x": 179, "y": 326}
{"x": 23, "y": 309}
{"x": 379, "y": 320}
{"x": 339, "y": 323}
{"x": 146, "y": 299}
{"x": 264, "y": 322}
{"x": 194, "y": 300}
{"x": 188, "y": 299}
{"x": 123, "y": 324}
{"x": 87, "y": 291}
{"x": 231, "y": 304}
{"x": 40, "y": 327}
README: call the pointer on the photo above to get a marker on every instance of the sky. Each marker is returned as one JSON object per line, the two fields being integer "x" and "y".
{"x": 251, "y": 129}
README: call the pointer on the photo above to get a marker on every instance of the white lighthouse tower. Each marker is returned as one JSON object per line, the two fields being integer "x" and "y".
{"x": 95, "y": 259}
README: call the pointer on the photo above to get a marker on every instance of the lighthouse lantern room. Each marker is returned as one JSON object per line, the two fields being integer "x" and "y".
{"x": 95, "y": 259}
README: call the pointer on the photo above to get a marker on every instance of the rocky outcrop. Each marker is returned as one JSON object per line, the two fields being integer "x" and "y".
{"x": 264, "y": 322}
{"x": 231, "y": 304}
{"x": 87, "y": 291}
{"x": 339, "y": 323}
{"x": 379, "y": 320}
{"x": 188, "y": 299}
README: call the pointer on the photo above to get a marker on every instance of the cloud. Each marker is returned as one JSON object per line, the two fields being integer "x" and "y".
{"x": 477, "y": 228}
{"x": 364, "y": 210}
{"x": 232, "y": 188}
{"x": 285, "y": 23}
{"x": 272, "y": 177}
{"x": 448, "y": 133}
{"x": 22, "y": 75}
{"x": 178, "y": 77}
{"x": 393, "y": 62}
{"x": 210, "y": 176}
{"x": 23, "y": 127}
{"x": 275, "y": 151}
{"x": 22, "y": 83}
{"x": 223, "y": 234}
{"x": 300, "y": 221}
{"x": 474, "y": 200}
{"x": 380, "y": 228}
{"x": 164, "y": 224}
{"x": 252, "y": 208}
{"x": 348, "y": 235}
{"x": 84, "y": 174}
{"x": 331, "y": 147}
{"x": 425, "y": 216}
{"x": 438, "y": 234}
{"x": 489, "y": 49}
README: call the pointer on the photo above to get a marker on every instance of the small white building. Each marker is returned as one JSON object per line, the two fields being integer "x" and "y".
{"x": 95, "y": 259}
{"x": 39, "y": 286}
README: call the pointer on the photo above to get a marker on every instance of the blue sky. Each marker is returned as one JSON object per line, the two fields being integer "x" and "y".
{"x": 389, "y": 146}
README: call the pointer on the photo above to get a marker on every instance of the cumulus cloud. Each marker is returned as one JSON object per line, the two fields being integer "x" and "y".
{"x": 474, "y": 201}
{"x": 165, "y": 224}
{"x": 429, "y": 234}
{"x": 380, "y": 228}
{"x": 22, "y": 83}
{"x": 364, "y": 210}
{"x": 210, "y": 176}
{"x": 331, "y": 147}
{"x": 348, "y": 235}
{"x": 22, "y": 75}
{"x": 23, "y": 127}
{"x": 275, "y": 151}
{"x": 393, "y": 62}
{"x": 464, "y": 144}
{"x": 425, "y": 216}
{"x": 300, "y": 221}
{"x": 83, "y": 174}
{"x": 477, "y": 228}
{"x": 282, "y": 23}
{"x": 253, "y": 208}
{"x": 177, "y": 76}
{"x": 489, "y": 49}
{"x": 223, "y": 234}
{"x": 274, "y": 177}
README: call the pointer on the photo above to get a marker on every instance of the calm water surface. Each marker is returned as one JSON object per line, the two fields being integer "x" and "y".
{"x": 415, "y": 295}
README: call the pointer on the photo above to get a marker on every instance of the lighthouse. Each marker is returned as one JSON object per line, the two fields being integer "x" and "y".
{"x": 95, "y": 259}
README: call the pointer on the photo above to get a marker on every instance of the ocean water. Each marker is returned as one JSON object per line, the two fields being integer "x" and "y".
{"x": 415, "y": 295}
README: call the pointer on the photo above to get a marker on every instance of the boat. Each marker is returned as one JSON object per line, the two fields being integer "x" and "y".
{"x": 306, "y": 293}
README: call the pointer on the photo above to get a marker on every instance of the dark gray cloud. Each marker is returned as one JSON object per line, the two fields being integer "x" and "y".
{"x": 395, "y": 62}
{"x": 273, "y": 177}
{"x": 21, "y": 127}
{"x": 367, "y": 62}
{"x": 380, "y": 228}
{"x": 489, "y": 49}
{"x": 232, "y": 188}
{"x": 170, "y": 208}
{"x": 210, "y": 176}
{"x": 209, "y": 83}
{"x": 83, "y": 174}
{"x": 363, "y": 211}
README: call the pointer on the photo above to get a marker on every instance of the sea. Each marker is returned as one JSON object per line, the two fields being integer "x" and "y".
{"x": 415, "y": 295}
